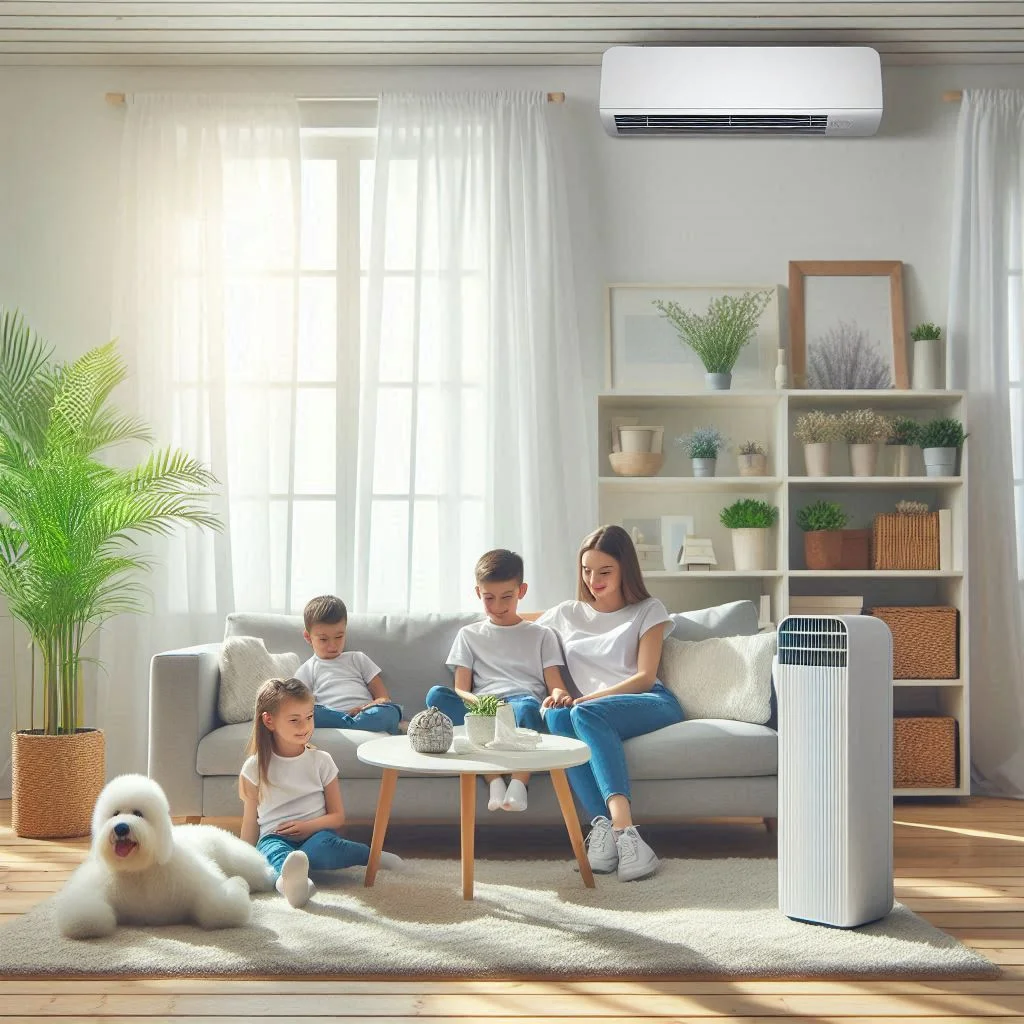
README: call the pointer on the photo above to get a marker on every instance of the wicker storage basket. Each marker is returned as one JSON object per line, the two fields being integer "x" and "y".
{"x": 924, "y": 753}
{"x": 924, "y": 641}
{"x": 55, "y": 783}
{"x": 906, "y": 542}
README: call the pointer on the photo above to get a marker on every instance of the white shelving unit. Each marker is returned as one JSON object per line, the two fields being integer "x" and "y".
{"x": 769, "y": 416}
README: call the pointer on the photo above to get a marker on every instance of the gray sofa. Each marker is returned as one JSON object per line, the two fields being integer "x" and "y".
{"x": 704, "y": 768}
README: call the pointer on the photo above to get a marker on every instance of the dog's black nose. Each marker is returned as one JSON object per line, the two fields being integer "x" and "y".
{"x": 121, "y": 830}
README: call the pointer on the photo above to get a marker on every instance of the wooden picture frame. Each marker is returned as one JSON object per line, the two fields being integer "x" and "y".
{"x": 799, "y": 270}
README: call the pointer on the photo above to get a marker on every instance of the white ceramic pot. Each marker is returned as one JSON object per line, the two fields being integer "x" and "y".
{"x": 479, "y": 729}
{"x": 753, "y": 465}
{"x": 927, "y": 373}
{"x": 704, "y": 467}
{"x": 863, "y": 459}
{"x": 636, "y": 439}
{"x": 748, "y": 549}
{"x": 939, "y": 461}
{"x": 816, "y": 458}
{"x": 717, "y": 381}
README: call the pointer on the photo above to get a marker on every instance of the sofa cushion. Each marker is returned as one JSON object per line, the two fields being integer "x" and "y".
{"x": 245, "y": 665}
{"x": 410, "y": 649}
{"x": 705, "y": 748}
{"x": 724, "y": 677}
{"x": 737, "y": 618}
{"x": 222, "y": 752}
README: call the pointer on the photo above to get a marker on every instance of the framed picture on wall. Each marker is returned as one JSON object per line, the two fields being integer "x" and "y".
{"x": 847, "y": 326}
{"x": 674, "y": 530}
{"x": 643, "y": 351}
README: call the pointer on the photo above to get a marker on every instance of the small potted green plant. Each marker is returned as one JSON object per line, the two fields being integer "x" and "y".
{"x": 902, "y": 441}
{"x": 481, "y": 712}
{"x": 940, "y": 441}
{"x": 927, "y": 368}
{"x": 863, "y": 430}
{"x": 748, "y": 521}
{"x": 702, "y": 447}
{"x": 720, "y": 334}
{"x": 816, "y": 430}
{"x": 822, "y": 523}
{"x": 753, "y": 459}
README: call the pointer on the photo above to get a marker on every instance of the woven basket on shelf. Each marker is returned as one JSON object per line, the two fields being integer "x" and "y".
{"x": 924, "y": 753}
{"x": 924, "y": 641}
{"x": 55, "y": 782}
{"x": 906, "y": 541}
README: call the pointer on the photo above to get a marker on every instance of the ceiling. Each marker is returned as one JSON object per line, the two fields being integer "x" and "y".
{"x": 420, "y": 32}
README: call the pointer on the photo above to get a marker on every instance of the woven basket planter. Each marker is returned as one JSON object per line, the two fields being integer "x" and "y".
{"x": 924, "y": 753}
{"x": 55, "y": 783}
{"x": 924, "y": 641}
{"x": 906, "y": 542}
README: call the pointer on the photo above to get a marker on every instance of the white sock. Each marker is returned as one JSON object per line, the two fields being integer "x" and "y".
{"x": 497, "y": 797}
{"x": 515, "y": 796}
{"x": 391, "y": 861}
{"x": 293, "y": 883}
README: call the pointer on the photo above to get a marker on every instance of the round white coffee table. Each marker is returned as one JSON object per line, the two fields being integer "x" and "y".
{"x": 554, "y": 755}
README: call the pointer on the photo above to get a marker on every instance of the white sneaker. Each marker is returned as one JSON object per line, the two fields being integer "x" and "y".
{"x": 601, "y": 850}
{"x": 636, "y": 859}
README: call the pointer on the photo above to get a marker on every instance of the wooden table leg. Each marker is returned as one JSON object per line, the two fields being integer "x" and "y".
{"x": 467, "y": 814}
{"x": 388, "y": 779}
{"x": 572, "y": 824}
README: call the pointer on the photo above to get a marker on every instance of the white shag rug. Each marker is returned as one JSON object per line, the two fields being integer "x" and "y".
{"x": 530, "y": 919}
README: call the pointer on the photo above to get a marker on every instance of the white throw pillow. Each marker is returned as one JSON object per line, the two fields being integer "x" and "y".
{"x": 245, "y": 665}
{"x": 725, "y": 677}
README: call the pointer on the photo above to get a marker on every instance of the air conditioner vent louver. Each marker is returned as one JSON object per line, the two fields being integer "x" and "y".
{"x": 813, "y": 642}
{"x": 721, "y": 124}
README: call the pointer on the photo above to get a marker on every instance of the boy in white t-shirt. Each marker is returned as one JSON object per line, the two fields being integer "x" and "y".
{"x": 347, "y": 685}
{"x": 503, "y": 655}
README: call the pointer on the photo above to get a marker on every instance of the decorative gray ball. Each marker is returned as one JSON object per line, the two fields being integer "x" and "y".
{"x": 431, "y": 732}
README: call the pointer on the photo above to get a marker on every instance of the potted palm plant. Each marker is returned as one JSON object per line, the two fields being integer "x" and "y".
{"x": 748, "y": 521}
{"x": 816, "y": 430}
{"x": 68, "y": 523}
{"x": 940, "y": 441}
{"x": 702, "y": 448}
{"x": 822, "y": 523}
{"x": 863, "y": 430}
{"x": 720, "y": 334}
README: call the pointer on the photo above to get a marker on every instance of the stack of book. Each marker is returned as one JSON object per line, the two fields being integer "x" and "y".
{"x": 826, "y": 605}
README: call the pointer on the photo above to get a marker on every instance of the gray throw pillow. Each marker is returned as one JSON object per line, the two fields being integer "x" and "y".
{"x": 737, "y": 618}
{"x": 245, "y": 665}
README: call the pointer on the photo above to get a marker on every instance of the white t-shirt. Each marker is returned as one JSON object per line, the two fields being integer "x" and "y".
{"x": 601, "y": 648}
{"x": 341, "y": 683}
{"x": 506, "y": 660}
{"x": 296, "y": 789}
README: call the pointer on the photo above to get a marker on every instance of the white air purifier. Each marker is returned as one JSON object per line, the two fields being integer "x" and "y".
{"x": 834, "y": 684}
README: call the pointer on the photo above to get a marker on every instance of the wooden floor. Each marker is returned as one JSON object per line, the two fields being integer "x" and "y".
{"x": 960, "y": 865}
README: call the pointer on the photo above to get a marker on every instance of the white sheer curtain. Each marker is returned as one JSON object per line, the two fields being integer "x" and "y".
{"x": 472, "y": 422}
{"x": 986, "y": 350}
{"x": 206, "y": 308}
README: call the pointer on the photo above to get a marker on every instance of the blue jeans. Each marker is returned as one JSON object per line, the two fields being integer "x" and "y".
{"x": 603, "y": 724}
{"x": 525, "y": 706}
{"x": 376, "y": 718}
{"x": 326, "y": 851}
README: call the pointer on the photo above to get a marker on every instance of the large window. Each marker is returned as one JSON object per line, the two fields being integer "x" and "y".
{"x": 1016, "y": 332}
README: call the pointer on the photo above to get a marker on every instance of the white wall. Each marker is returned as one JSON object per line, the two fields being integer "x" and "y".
{"x": 691, "y": 211}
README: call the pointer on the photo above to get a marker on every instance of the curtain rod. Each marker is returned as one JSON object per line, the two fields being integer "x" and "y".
{"x": 118, "y": 99}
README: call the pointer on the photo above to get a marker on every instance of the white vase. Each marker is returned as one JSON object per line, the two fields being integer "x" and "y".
{"x": 748, "y": 549}
{"x": 704, "y": 467}
{"x": 781, "y": 372}
{"x": 927, "y": 372}
{"x": 636, "y": 439}
{"x": 753, "y": 465}
{"x": 479, "y": 729}
{"x": 816, "y": 458}
{"x": 863, "y": 458}
{"x": 939, "y": 461}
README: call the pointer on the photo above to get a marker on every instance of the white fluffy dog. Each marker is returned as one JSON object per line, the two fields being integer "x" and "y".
{"x": 143, "y": 870}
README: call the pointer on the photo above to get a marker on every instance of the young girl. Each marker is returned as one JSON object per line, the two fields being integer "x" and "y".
{"x": 612, "y": 636}
{"x": 291, "y": 794}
